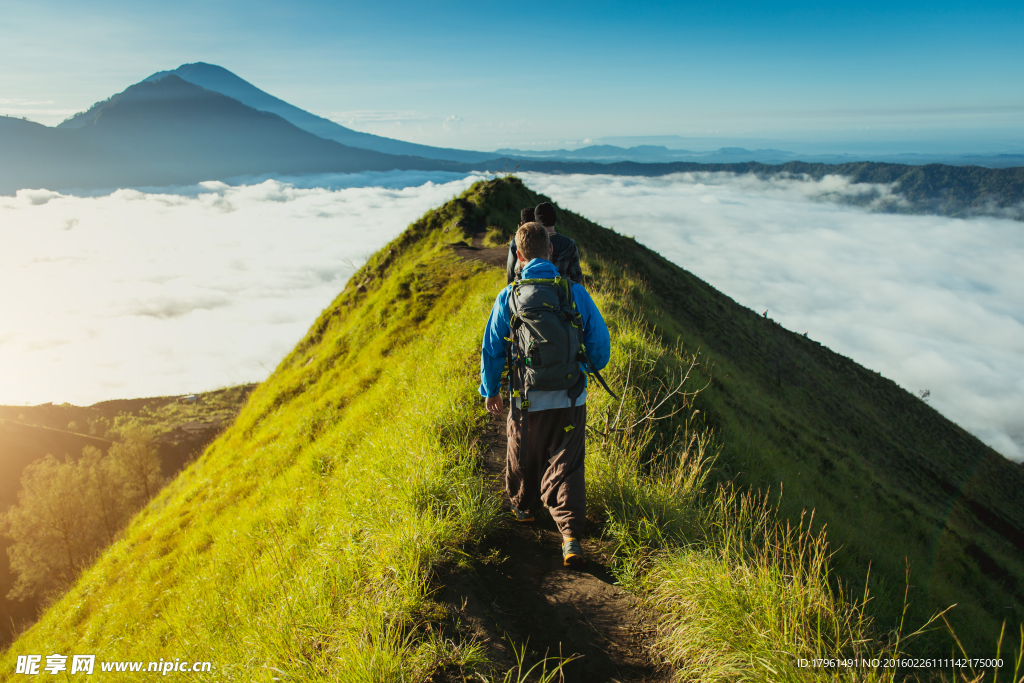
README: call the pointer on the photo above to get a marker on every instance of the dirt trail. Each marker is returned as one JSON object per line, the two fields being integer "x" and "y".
{"x": 496, "y": 256}
{"x": 522, "y": 595}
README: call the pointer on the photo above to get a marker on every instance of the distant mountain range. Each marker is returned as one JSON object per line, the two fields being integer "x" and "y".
{"x": 201, "y": 122}
{"x": 731, "y": 155}
{"x": 651, "y": 153}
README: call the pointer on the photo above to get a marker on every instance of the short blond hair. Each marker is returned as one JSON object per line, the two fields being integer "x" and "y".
{"x": 532, "y": 241}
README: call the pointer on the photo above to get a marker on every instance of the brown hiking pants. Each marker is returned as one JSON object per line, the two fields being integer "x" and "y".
{"x": 550, "y": 470}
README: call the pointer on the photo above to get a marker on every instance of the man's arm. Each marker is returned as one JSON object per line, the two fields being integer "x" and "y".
{"x": 492, "y": 351}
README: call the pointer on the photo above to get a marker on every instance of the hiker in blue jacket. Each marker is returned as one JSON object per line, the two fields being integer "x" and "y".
{"x": 548, "y": 469}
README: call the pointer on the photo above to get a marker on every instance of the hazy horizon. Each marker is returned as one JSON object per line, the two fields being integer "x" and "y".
{"x": 866, "y": 143}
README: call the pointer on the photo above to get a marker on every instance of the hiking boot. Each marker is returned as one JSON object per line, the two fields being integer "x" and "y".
{"x": 572, "y": 554}
{"x": 521, "y": 516}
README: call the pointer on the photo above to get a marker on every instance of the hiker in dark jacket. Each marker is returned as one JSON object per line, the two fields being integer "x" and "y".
{"x": 548, "y": 469}
{"x": 565, "y": 256}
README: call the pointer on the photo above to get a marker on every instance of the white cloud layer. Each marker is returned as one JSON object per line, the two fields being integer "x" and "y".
{"x": 931, "y": 302}
{"x": 176, "y": 290}
{"x": 145, "y": 293}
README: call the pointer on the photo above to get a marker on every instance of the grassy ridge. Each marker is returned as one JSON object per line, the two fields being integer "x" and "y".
{"x": 897, "y": 484}
{"x": 300, "y": 546}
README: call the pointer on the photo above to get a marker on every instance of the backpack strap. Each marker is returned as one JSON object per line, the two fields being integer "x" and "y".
{"x": 523, "y": 422}
{"x": 575, "y": 391}
{"x": 594, "y": 371}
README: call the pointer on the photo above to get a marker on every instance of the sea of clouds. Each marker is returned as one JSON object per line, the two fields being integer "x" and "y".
{"x": 183, "y": 289}
{"x": 175, "y": 290}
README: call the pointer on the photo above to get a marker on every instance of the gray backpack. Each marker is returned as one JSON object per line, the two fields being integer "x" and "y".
{"x": 546, "y": 335}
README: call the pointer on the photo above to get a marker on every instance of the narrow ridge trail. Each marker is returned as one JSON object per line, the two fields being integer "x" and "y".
{"x": 521, "y": 594}
{"x": 496, "y": 256}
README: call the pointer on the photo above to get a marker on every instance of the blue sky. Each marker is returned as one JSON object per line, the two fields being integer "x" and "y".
{"x": 486, "y": 75}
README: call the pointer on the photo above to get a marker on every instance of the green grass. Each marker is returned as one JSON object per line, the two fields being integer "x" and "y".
{"x": 210, "y": 406}
{"x": 740, "y": 594}
{"x": 304, "y": 543}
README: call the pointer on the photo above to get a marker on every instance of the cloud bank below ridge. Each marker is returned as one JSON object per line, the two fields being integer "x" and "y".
{"x": 155, "y": 293}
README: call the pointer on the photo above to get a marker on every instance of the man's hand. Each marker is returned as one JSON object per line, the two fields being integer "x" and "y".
{"x": 494, "y": 404}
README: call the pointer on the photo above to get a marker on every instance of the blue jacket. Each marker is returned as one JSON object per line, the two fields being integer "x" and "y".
{"x": 492, "y": 355}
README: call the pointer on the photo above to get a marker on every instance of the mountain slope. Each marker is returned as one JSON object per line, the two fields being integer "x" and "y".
{"x": 306, "y": 542}
{"x": 170, "y": 132}
{"x": 219, "y": 79}
{"x": 890, "y": 476}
